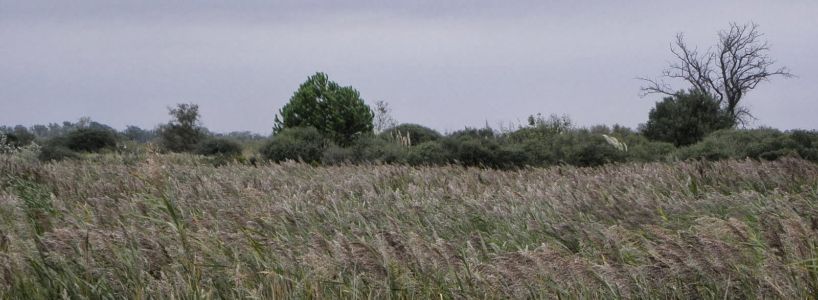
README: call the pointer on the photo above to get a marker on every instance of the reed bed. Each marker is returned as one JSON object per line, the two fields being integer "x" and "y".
{"x": 175, "y": 227}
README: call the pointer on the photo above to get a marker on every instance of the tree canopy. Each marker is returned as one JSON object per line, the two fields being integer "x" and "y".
{"x": 337, "y": 112}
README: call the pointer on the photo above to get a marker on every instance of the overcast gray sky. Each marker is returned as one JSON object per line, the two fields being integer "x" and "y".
{"x": 444, "y": 64}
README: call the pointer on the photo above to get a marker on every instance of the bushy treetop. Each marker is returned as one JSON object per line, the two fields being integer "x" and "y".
{"x": 337, "y": 112}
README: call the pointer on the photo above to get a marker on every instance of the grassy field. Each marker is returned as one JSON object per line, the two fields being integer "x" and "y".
{"x": 173, "y": 226}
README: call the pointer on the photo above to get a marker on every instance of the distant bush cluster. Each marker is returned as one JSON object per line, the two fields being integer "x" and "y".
{"x": 330, "y": 124}
{"x": 542, "y": 142}
{"x": 546, "y": 143}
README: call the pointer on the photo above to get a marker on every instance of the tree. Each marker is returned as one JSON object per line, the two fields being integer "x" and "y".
{"x": 18, "y": 136}
{"x": 727, "y": 72}
{"x": 183, "y": 132}
{"x": 383, "y": 116}
{"x": 336, "y": 112}
{"x": 685, "y": 118}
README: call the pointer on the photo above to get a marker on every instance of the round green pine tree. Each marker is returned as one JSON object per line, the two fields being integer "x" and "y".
{"x": 338, "y": 112}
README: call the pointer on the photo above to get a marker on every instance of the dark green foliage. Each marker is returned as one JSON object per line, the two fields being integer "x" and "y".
{"x": 640, "y": 148}
{"x": 643, "y": 150}
{"x": 55, "y": 149}
{"x": 585, "y": 149}
{"x": 183, "y": 133}
{"x": 93, "y": 138}
{"x": 482, "y": 133}
{"x": 428, "y": 153}
{"x": 299, "y": 143}
{"x": 337, "y": 112}
{"x": 806, "y": 144}
{"x": 417, "y": 134}
{"x": 219, "y": 147}
{"x": 367, "y": 149}
{"x": 17, "y": 137}
{"x": 685, "y": 118}
{"x": 375, "y": 149}
{"x": 90, "y": 140}
{"x": 470, "y": 149}
{"x": 763, "y": 143}
{"x": 540, "y": 128}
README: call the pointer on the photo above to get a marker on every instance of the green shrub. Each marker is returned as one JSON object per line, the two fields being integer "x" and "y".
{"x": 540, "y": 128}
{"x": 685, "y": 118}
{"x": 379, "y": 150}
{"x": 428, "y": 153}
{"x": 299, "y": 143}
{"x": 367, "y": 149}
{"x": 806, "y": 144}
{"x": 17, "y": 137}
{"x": 55, "y": 150}
{"x": 585, "y": 149}
{"x": 482, "y": 133}
{"x": 512, "y": 156}
{"x": 219, "y": 147}
{"x": 762, "y": 143}
{"x": 417, "y": 134}
{"x": 540, "y": 151}
{"x": 596, "y": 153}
{"x": 90, "y": 140}
{"x": 472, "y": 150}
{"x": 643, "y": 150}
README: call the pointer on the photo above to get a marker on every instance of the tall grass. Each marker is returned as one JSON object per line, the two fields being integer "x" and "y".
{"x": 174, "y": 227}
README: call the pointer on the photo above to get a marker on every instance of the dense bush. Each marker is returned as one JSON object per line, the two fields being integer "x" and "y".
{"x": 90, "y": 140}
{"x": 639, "y": 147}
{"x": 481, "y": 133}
{"x": 643, "y": 150}
{"x": 375, "y": 149}
{"x": 582, "y": 148}
{"x": 367, "y": 149}
{"x": 805, "y": 143}
{"x": 428, "y": 153}
{"x": 219, "y": 147}
{"x": 685, "y": 118}
{"x": 299, "y": 143}
{"x": 416, "y": 134}
{"x": 762, "y": 143}
{"x": 540, "y": 128}
{"x": 55, "y": 149}
{"x": 17, "y": 137}
{"x": 472, "y": 151}
{"x": 183, "y": 132}
{"x": 337, "y": 112}
{"x": 469, "y": 149}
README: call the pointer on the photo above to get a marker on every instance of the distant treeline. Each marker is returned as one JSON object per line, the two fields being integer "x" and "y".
{"x": 542, "y": 142}
{"x": 326, "y": 123}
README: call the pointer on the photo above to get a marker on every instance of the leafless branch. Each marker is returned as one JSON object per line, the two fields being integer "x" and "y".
{"x": 736, "y": 65}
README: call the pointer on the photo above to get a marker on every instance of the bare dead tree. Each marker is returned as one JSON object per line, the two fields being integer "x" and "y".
{"x": 736, "y": 65}
{"x": 383, "y": 116}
